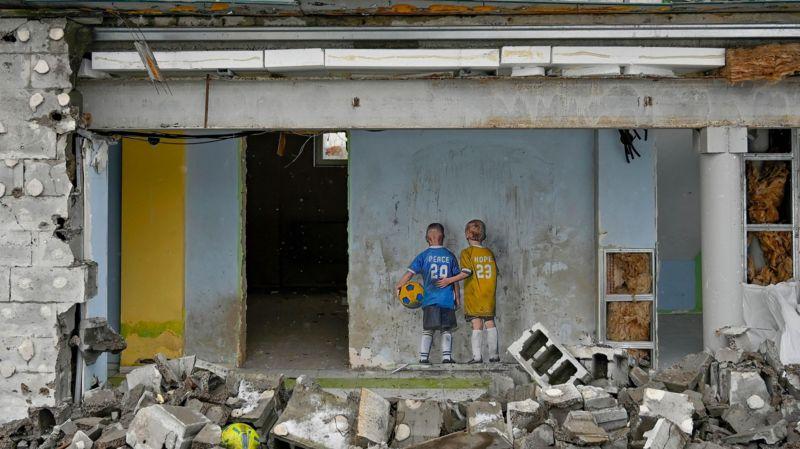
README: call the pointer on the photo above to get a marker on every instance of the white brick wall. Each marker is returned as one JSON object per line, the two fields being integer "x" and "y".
{"x": 40, "y": 280}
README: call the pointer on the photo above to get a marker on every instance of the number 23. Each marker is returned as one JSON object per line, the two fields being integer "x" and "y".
{"x": 483, "y": 271}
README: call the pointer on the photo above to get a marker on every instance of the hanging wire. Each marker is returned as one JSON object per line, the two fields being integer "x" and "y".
{"x": 299, "y": 153}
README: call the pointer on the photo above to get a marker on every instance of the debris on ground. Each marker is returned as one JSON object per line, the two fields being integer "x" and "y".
{"x": 733, "y": 398}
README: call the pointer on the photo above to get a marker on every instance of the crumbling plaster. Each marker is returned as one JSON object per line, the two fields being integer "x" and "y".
{"x": 42, "y": 278}
{"x": 534, "y": 189}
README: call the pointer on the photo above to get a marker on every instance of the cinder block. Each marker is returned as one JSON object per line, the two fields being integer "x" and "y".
{"x": 27, "y": 139}
{"x": 675, "y": 407}
{"x": 34, "y": 387}
{"x": 44, "y": 352}
{"x": 485, "y": 417}
{"x": 5, "y": 284}
{"x": 38, "y": 32}
{"x": 58, "y": 75}
{"x": 49, "y": 250}
{"x": 51, "y": 174}
{"x": 15, "y": 70}
{"x": 11, "y": 175}
{"x": 546, "y": 360}
{"x": 522, "y": 417}
{"x": 52, "y": 284}
{"x": 15, "y": 249}
{"x": 31, "y": 214}
{"x": 33, "y": 320}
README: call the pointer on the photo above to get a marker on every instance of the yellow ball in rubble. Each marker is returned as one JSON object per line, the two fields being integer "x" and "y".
{"x": 411, "y": 295}
{"x": 239, "y": 436}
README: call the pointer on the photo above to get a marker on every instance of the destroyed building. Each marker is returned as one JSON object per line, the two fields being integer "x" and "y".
{"x": 244, "y": 183}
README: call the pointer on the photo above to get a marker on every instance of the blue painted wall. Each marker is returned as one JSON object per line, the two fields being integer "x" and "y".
{"x": 103, "y": 202}
{"x": 678, "y": 220}
{"x": 214, "y": 297}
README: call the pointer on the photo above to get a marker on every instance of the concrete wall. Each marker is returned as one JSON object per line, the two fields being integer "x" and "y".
{"x": 214, "y": 294}
{"x": 534, "y": 189}
{"x": 41, "y": 279}
{"x": 678, "y": 220}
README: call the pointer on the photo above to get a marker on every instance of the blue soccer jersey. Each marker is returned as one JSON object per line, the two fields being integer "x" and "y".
{"x": 435, "y": 263}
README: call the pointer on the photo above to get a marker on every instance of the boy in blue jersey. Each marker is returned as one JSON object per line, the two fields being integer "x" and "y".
{"x": 438, "y": 304}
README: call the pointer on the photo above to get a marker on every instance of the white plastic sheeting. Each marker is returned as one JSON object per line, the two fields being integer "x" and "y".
{"x": 771, "y": 313}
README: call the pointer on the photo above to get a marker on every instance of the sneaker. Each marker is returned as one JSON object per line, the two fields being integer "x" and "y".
{"x": 474, "y": 362}
{"x": 448, "y": 361}
{"x": 424, "y": 362}
{"x": 494, "y": 359}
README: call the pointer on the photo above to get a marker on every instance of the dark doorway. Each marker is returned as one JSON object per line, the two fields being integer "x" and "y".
{"x": 296, "y": 255}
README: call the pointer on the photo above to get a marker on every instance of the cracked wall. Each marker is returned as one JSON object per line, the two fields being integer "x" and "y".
{"x": 42, "y": 276}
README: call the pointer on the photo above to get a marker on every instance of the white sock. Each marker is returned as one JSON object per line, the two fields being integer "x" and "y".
{"x": 491, "y": 339}
{"x": 447, "y": 345}
{"x": 476, "y": 344}
{"x": 425, "y": 345}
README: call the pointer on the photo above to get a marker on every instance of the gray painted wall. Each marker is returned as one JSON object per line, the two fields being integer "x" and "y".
{"x": 214, "y": 300}
{"x": 534, "y": 189}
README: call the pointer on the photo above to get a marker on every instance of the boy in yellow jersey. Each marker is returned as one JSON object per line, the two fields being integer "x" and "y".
{"x": 479, "y": 268}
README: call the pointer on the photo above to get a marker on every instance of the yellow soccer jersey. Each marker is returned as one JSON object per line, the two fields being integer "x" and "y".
{"x": 480, "y": 286}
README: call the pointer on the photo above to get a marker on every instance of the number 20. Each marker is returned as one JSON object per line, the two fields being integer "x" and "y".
{"x": 438, "y": 271}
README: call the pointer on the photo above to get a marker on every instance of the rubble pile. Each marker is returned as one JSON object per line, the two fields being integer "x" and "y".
{"x": 727, "y": 399}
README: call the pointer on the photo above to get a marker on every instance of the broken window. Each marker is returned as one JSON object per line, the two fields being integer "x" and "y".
{"x": 770, "y": 196}
{"x": 629, "y": 301}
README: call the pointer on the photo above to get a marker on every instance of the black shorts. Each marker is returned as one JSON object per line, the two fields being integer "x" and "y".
{"x": 435, "y": 318}
{"x": 469, "y": 318}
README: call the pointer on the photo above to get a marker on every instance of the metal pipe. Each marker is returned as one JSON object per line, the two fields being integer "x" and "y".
{"x": 482, "y": 33}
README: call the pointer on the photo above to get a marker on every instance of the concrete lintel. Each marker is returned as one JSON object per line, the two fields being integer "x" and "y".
{"x": 451, "y": 103}
{"x": 721, "y": 139}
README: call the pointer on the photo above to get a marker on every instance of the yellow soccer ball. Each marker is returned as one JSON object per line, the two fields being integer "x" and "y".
{"x": 411, "y": 295}
{"x": 239, "y": 436}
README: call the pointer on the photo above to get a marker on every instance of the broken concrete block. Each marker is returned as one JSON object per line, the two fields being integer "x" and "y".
{"x": 675, "y": 407}
{"x": 523, "y": 416}
{"x": 561, "y": 396}
{"x": 466, "y": 440}
{"x": 218, "y": 414}
{"x": 100, "y": 402}
{"x": 80, "y": 441}
{"x": 183, "y": 366}
{"x": 728, "y": 355}
{"x": 542, "y": 436}
{"x": 595, "y": 398}
{"x": 741, "y": 419}
{"x": 639, "y": 376}
{"x": 617, "y": 439}
{"x": 208, "y": 437}
{"x": 96, "y": 337}
{"x": 113, "y": 437}
{"x": 314, "y": 418}
{"x": 770, "y": 434}
{"x": 167, "y": 426}
{"x": 485, "y": 417}
{"x": 417, "y": 421}
{"x": 665, "y": 435}
{"x": 147, "y": 375}
{"x": 257, "y": 381}
{"x": 580, "y": 428}
{"x": 611, "y": 418}
{"x": 697, "y": 403}
{"x": 258, "y": 409}
{"x": 373, "y": 424}
{"x": 546, "y": 360}
{"x": 744, "y": 384}
{"x": 685, "y": 374}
